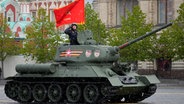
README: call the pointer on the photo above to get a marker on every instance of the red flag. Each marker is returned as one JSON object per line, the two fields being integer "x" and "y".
{"x": 72, "y": 13}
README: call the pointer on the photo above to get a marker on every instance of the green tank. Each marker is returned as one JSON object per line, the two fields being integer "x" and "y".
{"x": 84, "y": 74}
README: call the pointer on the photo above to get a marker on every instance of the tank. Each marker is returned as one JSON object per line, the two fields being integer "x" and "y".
{"x": 88, "y": 73}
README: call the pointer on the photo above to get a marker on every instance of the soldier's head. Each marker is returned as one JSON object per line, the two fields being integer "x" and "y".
{"x": 74, "y": 26}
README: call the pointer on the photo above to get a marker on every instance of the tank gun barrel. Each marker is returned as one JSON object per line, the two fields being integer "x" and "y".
{"x": 143, "y": 36}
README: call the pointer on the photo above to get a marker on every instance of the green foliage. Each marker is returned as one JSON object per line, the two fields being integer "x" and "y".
{"x": 7, "y": 46}
{"x": 163, "y": 45}
{"x": 42, "y": 39}
{"x": 178, "y": 33}
{"x": 170, "y": 44}
{"x": 132, "y": 27}
{"x": 7, "y": 42}
{"x": 94, "y": 24}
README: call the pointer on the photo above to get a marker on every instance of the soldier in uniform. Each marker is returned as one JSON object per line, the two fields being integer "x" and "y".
{"x": 72, "y": 33}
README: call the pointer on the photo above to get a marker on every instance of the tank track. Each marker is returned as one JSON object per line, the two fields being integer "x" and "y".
{"x": 69, "y": 91}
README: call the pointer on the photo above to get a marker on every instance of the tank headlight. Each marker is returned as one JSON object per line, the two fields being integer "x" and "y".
{"x": 124, "y": 79}
{"x": 128, "y": 80}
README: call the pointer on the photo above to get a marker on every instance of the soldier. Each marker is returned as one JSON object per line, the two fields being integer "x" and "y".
{"x": 72, "y": 33}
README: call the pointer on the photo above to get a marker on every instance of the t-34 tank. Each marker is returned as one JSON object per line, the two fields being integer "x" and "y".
{"x": 86, "y": 73}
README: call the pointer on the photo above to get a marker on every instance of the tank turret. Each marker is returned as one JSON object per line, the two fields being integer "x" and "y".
{"x": 90, "y": 51}
{"x": 81, "y": 74}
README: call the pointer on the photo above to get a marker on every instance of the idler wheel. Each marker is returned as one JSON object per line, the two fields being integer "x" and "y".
{"x": 55, "y": 93}
{"x": 39, "y": 92}
{"x": 152, "y": 89}
{"x": 11, "y": 90}
{"x": 90, "y": 93}
{"x": 24, "y": 93}
{"x": 73, "y": 93}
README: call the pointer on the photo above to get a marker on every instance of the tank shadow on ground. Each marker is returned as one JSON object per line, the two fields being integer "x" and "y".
{"x": 135, "y": 103}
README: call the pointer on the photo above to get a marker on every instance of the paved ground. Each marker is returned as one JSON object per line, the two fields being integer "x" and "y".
{"x": 171, "y": 83}
{"x": 166, "y": 95}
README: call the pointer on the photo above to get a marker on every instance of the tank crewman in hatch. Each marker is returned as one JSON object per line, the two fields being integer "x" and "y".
{"x": 72, "y": 33}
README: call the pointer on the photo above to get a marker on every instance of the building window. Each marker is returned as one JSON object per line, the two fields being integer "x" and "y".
{"x": 34, "y": 14}
{"x": 28, "y": 19}
{"x": 123, "y": 6}
{"x": 165, "y": 11}
{"x": 10, "y": 15}
{"x": 9, "y": 19}
{"x": 21, "y": 19}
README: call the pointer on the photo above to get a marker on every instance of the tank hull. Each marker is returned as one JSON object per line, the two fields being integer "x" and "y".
{"x": 99, "y": 85}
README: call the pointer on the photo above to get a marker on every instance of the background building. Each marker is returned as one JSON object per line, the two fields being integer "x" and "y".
{"x": 20, "y": 13}
{"x": 158, "y": 12}
{"x": 17, "y": 18}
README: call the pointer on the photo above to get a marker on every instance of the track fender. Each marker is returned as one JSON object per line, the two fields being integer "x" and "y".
{"x": 149, "y": 79}
{"x": 115, "y": 81}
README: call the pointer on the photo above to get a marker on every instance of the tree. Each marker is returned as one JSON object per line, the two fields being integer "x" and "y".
{"x": 132, "y": 27}
{"x": 164, "y": 45}
{"x": 176, "y": 32}
{"x": 94, "y": 24}
{"x": 7, "y": 42}
{"x": 42, "y": 38}
{"x": 170, "y": 45}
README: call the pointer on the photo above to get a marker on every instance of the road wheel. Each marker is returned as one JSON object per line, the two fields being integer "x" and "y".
{"x": 90, "y": 93}
{"x": 39, "y": 93}
{"x": 73, "y": 93}
{"x": 11, "y": 90}
{"x": 55, "y": 93}
{"x": 24, "y": 93}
